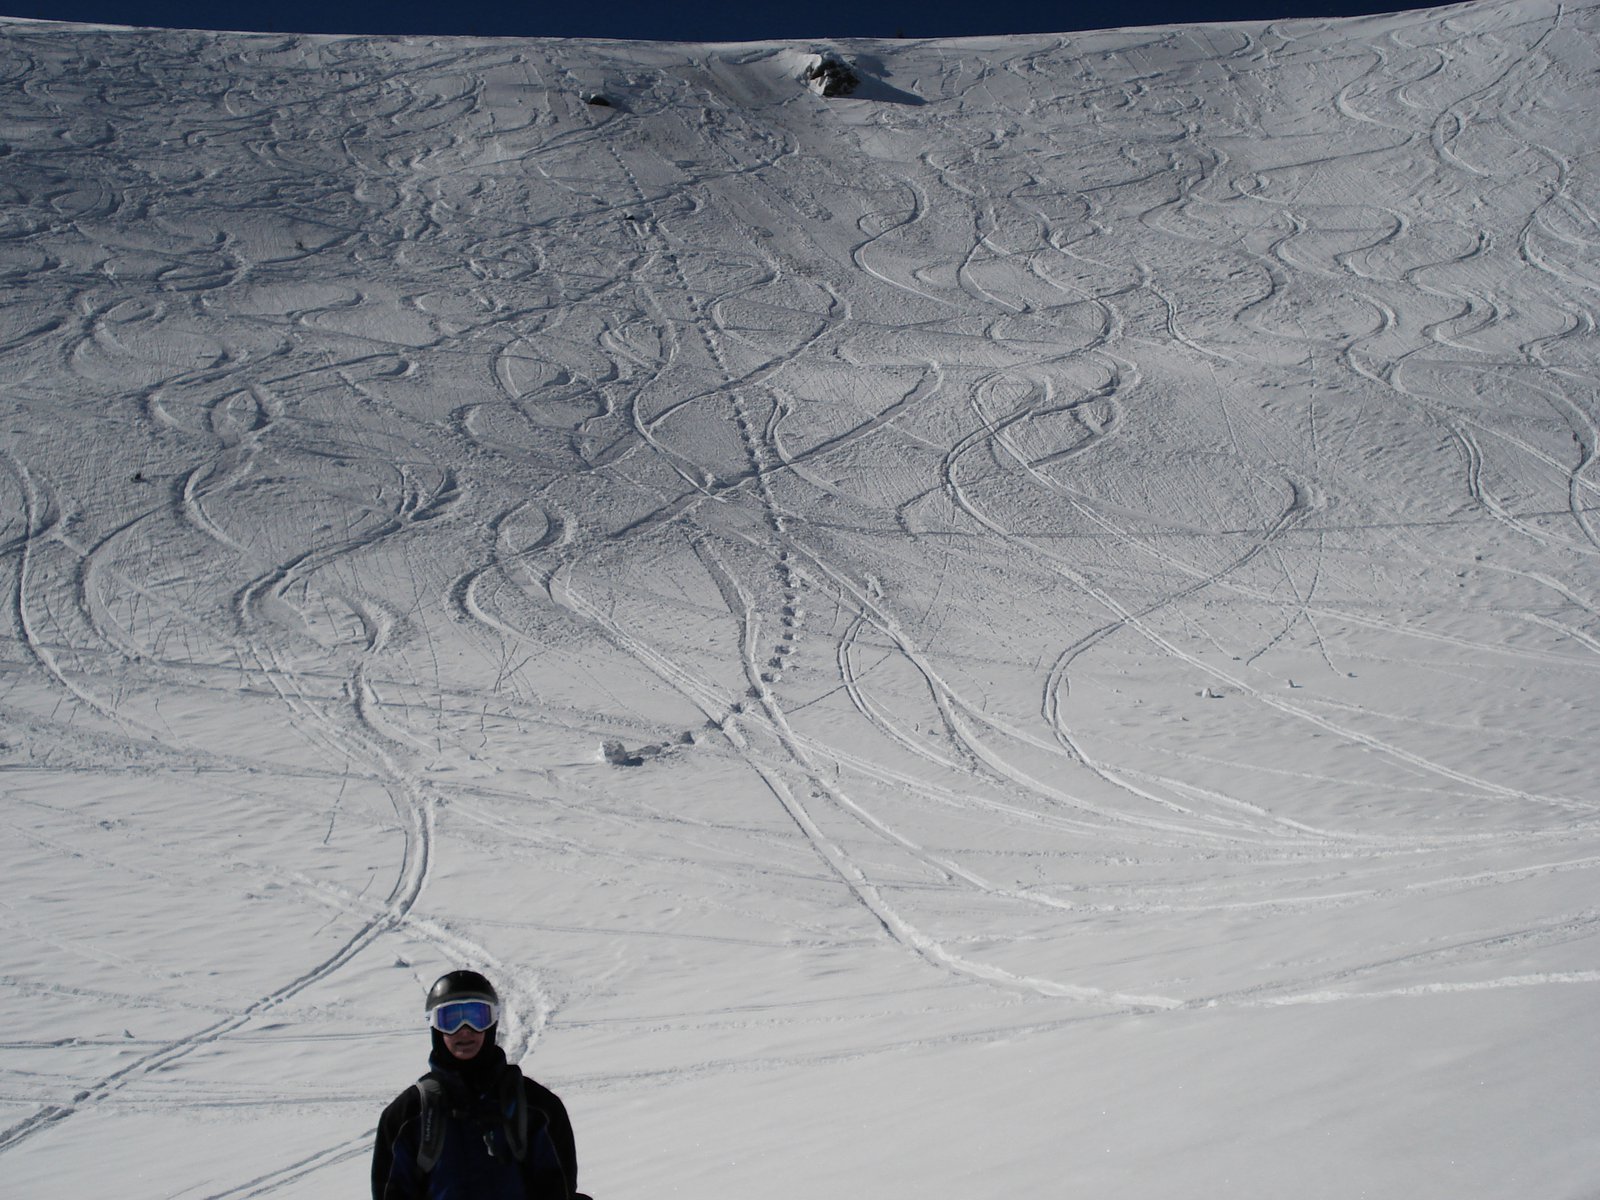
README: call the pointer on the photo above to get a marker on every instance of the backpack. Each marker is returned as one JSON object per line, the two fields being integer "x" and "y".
{"x": 511, "y": 1102}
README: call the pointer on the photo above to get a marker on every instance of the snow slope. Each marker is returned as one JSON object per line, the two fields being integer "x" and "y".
{"x": 1031, "y": 632}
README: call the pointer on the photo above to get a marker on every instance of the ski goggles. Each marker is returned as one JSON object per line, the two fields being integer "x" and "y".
{"x": 452, "y": 1015}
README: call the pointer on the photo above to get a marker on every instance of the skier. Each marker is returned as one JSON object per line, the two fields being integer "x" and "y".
{"x": 473, "y": 1127}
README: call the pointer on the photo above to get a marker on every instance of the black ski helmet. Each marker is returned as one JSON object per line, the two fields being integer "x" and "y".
{"x": 460, "y": 985}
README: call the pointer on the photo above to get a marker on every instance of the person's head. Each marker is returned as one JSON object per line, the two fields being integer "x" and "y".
{"x": 463, "y": 1012}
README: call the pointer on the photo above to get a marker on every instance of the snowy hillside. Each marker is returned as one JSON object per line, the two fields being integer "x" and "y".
{"x": 1029, "y": 632}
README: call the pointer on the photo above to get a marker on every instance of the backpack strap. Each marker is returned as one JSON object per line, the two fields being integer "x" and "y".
{"x": 436, "y": 1114}
{"x": 514, "y": 1112}
{"x": 431, "y": 1139}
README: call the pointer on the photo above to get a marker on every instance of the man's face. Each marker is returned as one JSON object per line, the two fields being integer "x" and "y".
{"x": 464, "y": 1043}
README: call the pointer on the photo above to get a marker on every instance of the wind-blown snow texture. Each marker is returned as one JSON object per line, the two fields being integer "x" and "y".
{"x": 1031, "y": 632}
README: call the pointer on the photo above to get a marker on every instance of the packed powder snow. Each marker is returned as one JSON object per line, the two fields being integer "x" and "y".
{"x": 1028, "y": 630}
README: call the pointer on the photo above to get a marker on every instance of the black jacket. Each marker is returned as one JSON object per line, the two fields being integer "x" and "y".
{"x": 469, "y": 1164}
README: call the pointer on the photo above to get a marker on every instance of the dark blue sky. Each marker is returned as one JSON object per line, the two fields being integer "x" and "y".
{"x": 686, "y": 20}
